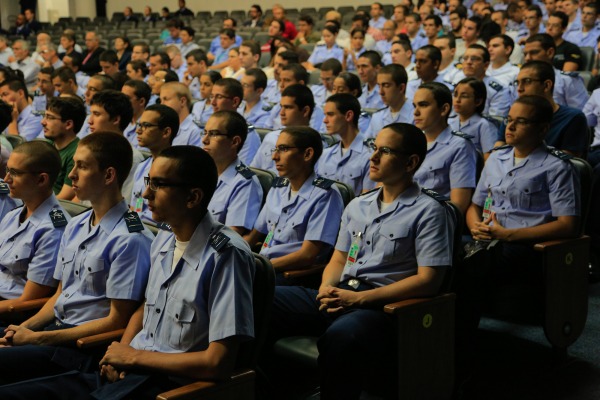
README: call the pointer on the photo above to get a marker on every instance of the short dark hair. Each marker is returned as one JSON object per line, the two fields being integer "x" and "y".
{"x": 544, "y": 70}
{"x": 65, "y": 74}
{"x": 537, "y": 9}
{"x": 545, "y": 40}
{"x": 164, "y": 57}
{"x": 116, "y": 104}
{"x": 190, "y": 31}
{"x": 451, "y": 40}
{"x": 308, "y": 19}
{"x": 167, "y": 118}
{"x": 235, "y": 125}
{"x": 15, "y": 85}
{"x": 413, "y": 140}
{"x": 479, "y": 91}
{"x": 352, "y": 81}
{"x": 41, "y": 157}
{"x": 260, "y": 78}
{"x": 542, "y": 108}
{"x": 69, "y": 108}
{"x": 109, "y": 56}
{"x": 47, "y": 70}
{"x": 433, "y": 53}
{"x": 332, "y": 65}
{"x": 76, "y": 60}
{"x": 230, "y": 33}
{"x": 140, "y": 65}
{"x": 507, "y": 41}
{"x": 170, "y": 75}
{"x": 143, "y": 45}
{"x": 373, "y": 57}
{"x": 436, "y": 20}
{"x": 564, "y": 20}
{"x": 345, "y": 102}
{"x": 174, "y": 23}
{"x": 253, "y": 46}
{"x": 198, "y": 55}
{"x": 290, "y": 56}
{"x": 233, "y": 21}
{"x": 461, "y": 11}
{"x": 189, "y": 161}
{"x": 441, "y": 94}
{"x": 397, "y": 72}
{"x": 303, "y": 96}
{"x": 213, "y": 75}
{"x": 306, "y": 137}
{"x": 106, "y": 81}
{"x": 405, "y": 44}
{"x": 486, "y": 53}
{"x": 478, "y": 21}
{"x": 300, "y": 73}
{"x": 141, "y": 89}
{"x": 110, "y": 150}
{"x": 232, "y": 87}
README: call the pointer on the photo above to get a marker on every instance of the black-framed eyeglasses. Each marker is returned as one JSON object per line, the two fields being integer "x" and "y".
{"x": 50, "y": 117}
{"x": 142, "y": 126}
{"x": 15, "y": 173}
{"x": 284, "y": 149}
{"x": 219, "y": 96}
{"x": 213, "y": 133}
{"x": 525, "y": 81}
{"x": 388, "y": 151}
{"x": 518, "y": 121}
{"x": 154, "y": 185}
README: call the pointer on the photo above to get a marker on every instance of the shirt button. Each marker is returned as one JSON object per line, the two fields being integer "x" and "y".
{"x": 90, "y": 269}
{"x": 377, "y": 220}
{"x": 151, "y": 335}
{"x": 82, "y": 247}
{"x": 66, "y": 294}
{"x": 510, "y": 174}
{"x": 177, "y": 316}
{"x": 503, "y": 192}
{"x": 158, "y": 310}
{"x": 63, "y": 317}
{"x": 76, "y": 272}
{"x": 360, "y": 262}
{"x": 391, "y": 235}
{"x": 368, "y": 242}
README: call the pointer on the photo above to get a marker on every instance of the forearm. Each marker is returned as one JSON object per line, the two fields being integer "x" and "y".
{"x": 570, "y": 66}
{"x": 134, "y": 325}
{"x": 564, "y": 227}
{"x": 13, "y": 128}
{"x": 333, "y": 271}
{"x": 45, "y": 315}
{"x": 473, "y": 215}
{"x": 461, "y": 197}
{"x": 301, "y": 258}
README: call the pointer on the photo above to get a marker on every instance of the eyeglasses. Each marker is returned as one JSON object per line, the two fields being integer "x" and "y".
{"x": 247, "y": 86}
{"x": 15, "y": 173}
{"x": 525, "y": 82}
{"x": 49, "y": 117}
{"x": 213, "y": 133}
{"x": 388, "y": 151}
{"x": 284, "y": 149}
{"x": 518, "y": 121}
{"x": 154, "y": 185}
{"x": 219, "y": 97}
{"x": 472, "y": 58}
{"x": 142, "y": 126}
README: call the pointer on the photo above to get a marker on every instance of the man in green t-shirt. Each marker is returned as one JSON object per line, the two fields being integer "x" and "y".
{"x": 63, "y": 119}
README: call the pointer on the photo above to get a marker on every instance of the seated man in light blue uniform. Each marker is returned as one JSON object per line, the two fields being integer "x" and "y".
{"x": 31, "y": 235}
{"x": 102, "y": 268}
{"x": 451, "y": 164}
{"x": 391, "y": 80}
{"x": 330, "y": 69}
{"x": 299, "y": 222}
{"x": 368, "y": 65}
{"x": 156, "y": 129}
{"x": 198, "y": 307}
{"x": 237, "y": 199}
{"x": 25, "y": 122}
{"x": 254, "y": 109}
{"x": 395, "y": 243}
{"x": 348, "y": 160}
{"x": 177, "y": 96}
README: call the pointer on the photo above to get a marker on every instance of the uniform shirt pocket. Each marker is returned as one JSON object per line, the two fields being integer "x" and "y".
{"x": 181, "y": 323}
{"x": 94, "y": 282}
{"x": 531, "y": 194}
{"x": 17, "y": 260}
{"x": 395, "y": 241}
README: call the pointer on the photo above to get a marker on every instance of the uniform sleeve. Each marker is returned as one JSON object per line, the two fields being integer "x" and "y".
{"x": 434, "y": 238}
{"x": 324, "y": 222}
{"x": 31, "y": 128}
{"x": 129, "y": 267}
{"x": 591, "y": 108}
{"x": 41, "y": 266}
{"x": 481, "y": 190}
{"x": 500, "y": 103}
{"x": 576, "y": 93}
{"x": 230, "y": 295}
{"x": 565, "y": 191}
{"x": 344, "y": 239}
{"x": 263, "y": 121}
{"x": 488, "y": 136}
{"x": 463, "y": 168}
{"x": 244, "y": 204}
{"x": 261, "y": 221}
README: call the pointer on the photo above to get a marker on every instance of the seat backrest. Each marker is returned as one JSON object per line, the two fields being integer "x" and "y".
{"x": 587, "y": 58}
{"x": 262, "y": 298}
{"x": 330, "y": 140}
{"x": 266, "y": 179}
{"x": 584, "y": 170}
{"x": 346, "y": 191}
{"x": 74, "y": 209}
{"x": 262, "y": 132}
{"x": 14, "y": 140}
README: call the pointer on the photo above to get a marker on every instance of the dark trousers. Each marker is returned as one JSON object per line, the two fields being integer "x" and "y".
{"x": 356, "y": 347}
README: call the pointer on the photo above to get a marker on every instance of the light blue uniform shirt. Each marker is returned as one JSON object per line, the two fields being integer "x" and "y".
{"x": 589, "y": 40}
{"x": 137, "y": 202}
{"x": 312, "y": 214}
{"x": 351, "y": 168}
{"x": 85, "y": 129}
{"x": 215, "y": 45}
{"x": 100, "y": 263}
{"x": 189, "y": 133}
{"x": 222, "y": 54}
{"x": 29, "y": 124}
{"x": 418, "y": 41}
{"x": 349, "y": 63}
{"x": 569, "y": 89}
{"x": 415, "y": 230}
{"x": 412, "y": 86}
{"x": 377, "y": 24}
{"x": 450, "y": 163}
{"x": 370, "y": 100}
{"x": 7, "y": 203}
{"x": 272, "y": 95}
{"x": 238, "y": 197}
{"x": 384, "y": 117}
{"x": 316, "y": 119}
{"x": 258, "y": 116}
{"x": 483, "y": 132}
{"x": 131, "y": 135}
{"x": 534, "y": 192}
{"x": 320, "y": 94}
{"x": 208, "y": 297}
{"x": 592, "y": 114}
{"x": 250, "y": 147}
{"x": 201, "y": 111}
{"x": 28, "y": 250}
{"x": 383, "y": 46}
{"x": 321, "y": 53}
{"x": 263, "y": 157}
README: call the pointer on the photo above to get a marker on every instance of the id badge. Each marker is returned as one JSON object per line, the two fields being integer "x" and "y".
{"x": 139, "y": 204}
{"x": 268, "y": 239}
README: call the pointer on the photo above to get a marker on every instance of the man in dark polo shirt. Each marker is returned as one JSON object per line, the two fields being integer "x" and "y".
{"x": 568, "y": 55}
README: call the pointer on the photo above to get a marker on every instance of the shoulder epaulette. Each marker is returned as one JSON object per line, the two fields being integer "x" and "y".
{"x": 495, "y": 85}
{"x": 435, "y": 195}
{"x": 503, "y": 147}
{"x": 164, "y": 226}
{"x": 4, "y": 189}
{"x": 244, "y": 171}
{"x": 559, "y": 154}
{"x": 218, "y": 241}
{"x": 250, "y": 127}
{"x": 572, "y": 74}
{"x": 322, "y": 183}
{"x": 462, "y": 135}
{"x": 268, "y": 107}
{"x": 133, "y": 221}
{"x": 458, "y": 65}
{"x": 280, "y": 182}
{"x": 370, "y": 191}
{"x": 58, "y": 218}
{"x": 320, "y": 45}
{"x": 367, "y": 142}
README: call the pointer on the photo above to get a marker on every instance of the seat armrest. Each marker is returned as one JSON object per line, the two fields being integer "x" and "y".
{"x": 543, "y": 246}
{"x": 27, "y": 305}
{"x": 100, "y": 339}
{"x": 309, "y": 271}
{"x": 239, "y": 387}
{"x": 400, "y": 306}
